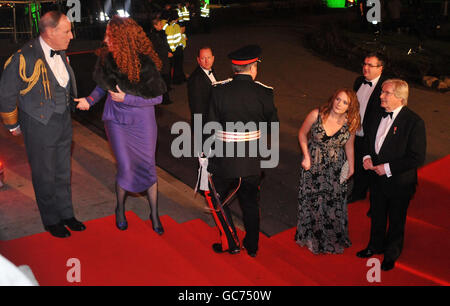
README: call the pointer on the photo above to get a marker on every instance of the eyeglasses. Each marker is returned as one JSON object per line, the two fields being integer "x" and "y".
{"x": 370, "y": 65}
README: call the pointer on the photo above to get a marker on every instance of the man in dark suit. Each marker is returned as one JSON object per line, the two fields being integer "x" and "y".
{"x": 395, "y": 148}
{"x": 158, "y": 38}
{"x": 35, "y": 97}
{"x": 368, "y": 90}
{"x": 200, "y": 83}
{"x": 239, "y": 100}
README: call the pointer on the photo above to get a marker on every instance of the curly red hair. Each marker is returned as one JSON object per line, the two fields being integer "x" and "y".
{"x": 126, "y": 40}
{"x": 353, "y": 117}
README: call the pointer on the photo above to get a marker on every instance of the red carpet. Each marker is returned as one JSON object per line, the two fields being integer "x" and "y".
{"x": 183, "y": 255}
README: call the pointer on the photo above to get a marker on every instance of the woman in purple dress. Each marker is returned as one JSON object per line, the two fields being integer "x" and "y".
{"x": 127, "y": 70}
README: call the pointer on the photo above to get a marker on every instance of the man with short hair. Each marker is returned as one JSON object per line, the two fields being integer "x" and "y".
{"x": 36, "y": 92}
{"x": 395, "y": 147}
{"x": 368, "y": 90}
{"x": 200, "y": 83}
{"x": 240, "y": 99}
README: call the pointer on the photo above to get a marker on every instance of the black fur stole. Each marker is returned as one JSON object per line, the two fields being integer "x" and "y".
{"x": 107, "y": 75}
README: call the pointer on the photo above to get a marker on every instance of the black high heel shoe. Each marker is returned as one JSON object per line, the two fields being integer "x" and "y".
{"x": 121, "y": 225}
{"x": 159, "y": 230}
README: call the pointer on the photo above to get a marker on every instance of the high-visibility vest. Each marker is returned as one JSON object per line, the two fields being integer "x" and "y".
{"x": 183, "y": 40}
{"x": 204, "y": 11}
{"x": 165, "y": 24}
{"x": 185, "y": 14}
{"x": 180, "y": 14}
{"x": 174, "y": 36}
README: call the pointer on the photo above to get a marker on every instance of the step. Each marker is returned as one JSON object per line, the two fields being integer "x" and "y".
{"x": 137, "y": 256}
{"x": 432, "y": 199}
{"x": 347, "y": 269}
{"x": 269, "y": 255}
{"x": 217, "y": 270}
{"x": 260, "y": 274}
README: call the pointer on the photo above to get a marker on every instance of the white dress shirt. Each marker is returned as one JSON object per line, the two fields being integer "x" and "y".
{"x": 210, "y": 75}
{"x": 364, "y": 92}
{"x": 56, "y": 64}
{"x": 383, "y": 129}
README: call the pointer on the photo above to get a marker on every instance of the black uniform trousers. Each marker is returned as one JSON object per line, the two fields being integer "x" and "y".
{"x": 48, "y": 148}
{"x": 248, "y": 201}
{"x": 392, "y": 208}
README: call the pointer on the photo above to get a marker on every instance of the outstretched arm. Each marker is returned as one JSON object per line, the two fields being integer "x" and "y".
{"x": 94, "y": 97}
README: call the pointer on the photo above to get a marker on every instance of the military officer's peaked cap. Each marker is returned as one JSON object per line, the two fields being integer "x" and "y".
{"x": 245, "y": 55}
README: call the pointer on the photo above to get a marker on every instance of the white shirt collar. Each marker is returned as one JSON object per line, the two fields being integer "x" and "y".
{"x": 205, "y": 70}
{"x": 396, "y": 111}
{"x": 374, "y": 81}
{"x": 45, "y": 47}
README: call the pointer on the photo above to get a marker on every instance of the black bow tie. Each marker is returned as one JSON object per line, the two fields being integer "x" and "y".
{"x": 385, "y": 114}
{"x": 210, "y": 72}
{"x": 367, "y": 82}
{"x": 53, "y": 52}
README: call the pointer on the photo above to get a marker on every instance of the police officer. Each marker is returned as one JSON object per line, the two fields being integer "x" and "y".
{"x": 239, "y": 99}
{"x": 35, "y": 96}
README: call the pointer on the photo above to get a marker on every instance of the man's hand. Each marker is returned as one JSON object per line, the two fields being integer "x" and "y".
{"x": 82, "y": 104}
{"x": 367, "y": 164}
{"x": 380, "y": 170}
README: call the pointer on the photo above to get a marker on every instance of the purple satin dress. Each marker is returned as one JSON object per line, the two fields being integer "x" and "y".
{"x": 132, "y": 131}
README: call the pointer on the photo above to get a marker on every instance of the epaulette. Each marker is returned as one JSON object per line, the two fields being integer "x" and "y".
{"x": 222, "y": 82}
{"x": 263, "y": 85}
{"x": 8, "y": 61}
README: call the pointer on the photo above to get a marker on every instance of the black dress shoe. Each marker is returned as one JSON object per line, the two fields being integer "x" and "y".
{"x": 57, "y": 230}
{"x": 74, "y": 224}
{"x": 387, "y": 265}
{"x": 366, "y": 253}
{"x": 217, "y": 247}
{"x": 250, "y": 253}
{"x": 158, "y": 229}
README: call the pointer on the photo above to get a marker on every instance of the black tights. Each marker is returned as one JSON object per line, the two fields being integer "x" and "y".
{"x": 152, "y": 197}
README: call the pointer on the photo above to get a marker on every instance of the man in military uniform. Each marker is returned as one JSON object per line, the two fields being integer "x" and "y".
{"x": 35, "y": 96}
{"x": 240, "y": 99}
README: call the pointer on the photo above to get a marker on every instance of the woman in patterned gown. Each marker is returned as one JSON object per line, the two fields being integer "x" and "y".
{"x": 322, "y": 198}
{"x": 127, "y": 71}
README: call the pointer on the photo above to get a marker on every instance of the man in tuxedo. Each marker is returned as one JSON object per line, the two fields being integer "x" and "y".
{"x": 200, "y": 84}
{"x": 368, "y": 90}
{"x": 395, "y": 148}
{"x": 36, "y": 92}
